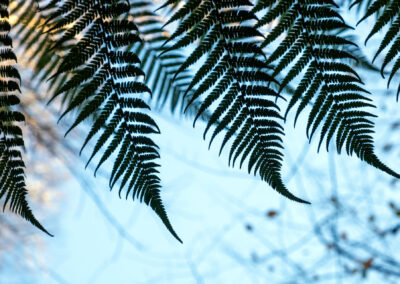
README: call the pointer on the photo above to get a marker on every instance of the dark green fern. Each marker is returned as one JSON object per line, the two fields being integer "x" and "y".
{"x": 12, "y": 177}
{"x": 313, "y": 50}
{"x": 388, "y": 13}
{"x": 235, "y": 80}
{"x": 167, "y": 90}
{"x": 159, "y": 70}
{"x": 109, "y": 86}
{"x": 31, "y": 38}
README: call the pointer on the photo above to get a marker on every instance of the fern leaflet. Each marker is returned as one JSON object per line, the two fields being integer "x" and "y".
{"x": 234, "y": 79}
{"x": 108, "y": 84}
{"x": 12, "y": 176}
{"x": 312, "y": 50}
{"x": 391, "y": 40}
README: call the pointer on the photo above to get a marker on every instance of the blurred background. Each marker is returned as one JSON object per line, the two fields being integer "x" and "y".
{"x": 235, "y": 229}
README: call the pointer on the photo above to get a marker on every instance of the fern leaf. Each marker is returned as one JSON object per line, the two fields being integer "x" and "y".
{"x": 12, "y": 176}
{"x": 109, "y": 86}
{"x": 235, "y": 82}
{"x": 388, "y": 13}
{"x": 327, "y": 82}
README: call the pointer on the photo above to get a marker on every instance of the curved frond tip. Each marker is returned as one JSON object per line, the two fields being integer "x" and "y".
{"x": 109, "y": 88}
{"x": 12, "y": 167}
{"x": 235, "y": 83}
{"x": 314, "y": 51}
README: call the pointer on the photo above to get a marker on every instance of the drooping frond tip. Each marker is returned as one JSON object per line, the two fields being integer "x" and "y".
{"x": 109, "y": 89}
{"x": 314, "y": 51}
{"x": 12, "y": 176}
{"x": 387, "y": 13}
{"x": 235, "y": 83}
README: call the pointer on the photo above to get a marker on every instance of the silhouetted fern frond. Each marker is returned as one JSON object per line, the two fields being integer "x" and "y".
{"x": 31, "y": 38}
{"x": 235, "y": 82}
{"x": 312, "y": 50}
{"x": 45, "y": 59}
{"x": 12, "y": 176}
{"x": 388, "y": 13}
{"x": 109, "y": 83}
{"x": 167, "y": 90}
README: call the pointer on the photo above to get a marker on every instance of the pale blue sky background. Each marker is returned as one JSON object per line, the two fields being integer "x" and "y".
{"x": 209, "y": 205}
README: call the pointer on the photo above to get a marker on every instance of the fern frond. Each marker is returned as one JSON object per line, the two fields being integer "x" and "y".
{"x": 12, "y": 176}
{"x": 388, "y": 13}
{"x": 108, "y": 84}
{"x": 314, "y": 50}
{"x": 31, "y": 38}
{"x": 167, "y": 87}
{"x": 235, "y": 82}
{"x": 32, "y": 28}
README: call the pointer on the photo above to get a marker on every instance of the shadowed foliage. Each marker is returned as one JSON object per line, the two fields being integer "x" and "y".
{"x": 108, "y": 61}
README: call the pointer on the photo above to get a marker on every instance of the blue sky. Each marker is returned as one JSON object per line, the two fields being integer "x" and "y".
{"x": 210, "y": 206}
